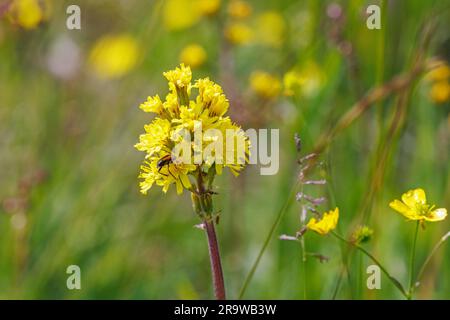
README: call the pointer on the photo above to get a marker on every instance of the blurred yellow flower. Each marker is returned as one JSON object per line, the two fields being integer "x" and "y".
{"x": 193, "y": 55}
{"x": 114, "y": 55}
{"x": 180, "y": 14}
{"x": 440, "y": 91}
{"x": 270, "y": 29}
{"x": 414, "y": 207}
{"x": 440, "y": 73}
{"x": 238, "y": 33}
{"x": 208, "y": 7}
{"x": 307, "y": 80}
{"x": 326, "y": 224}
{"x": 239, "y": 9}
{"x": 265, "y": 84}
{"x": 26, "y": 13}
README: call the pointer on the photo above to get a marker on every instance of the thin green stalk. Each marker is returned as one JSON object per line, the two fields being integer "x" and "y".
{"x": 394, "y": 281}
{"x": 411, "y": 262}
{"x": 428, "y": 259}
{"x": 267, "y": 240}
{"x": 302, "y": 243}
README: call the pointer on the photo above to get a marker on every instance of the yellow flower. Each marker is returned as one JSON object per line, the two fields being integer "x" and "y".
{"x": 114, "y": 55}
{"x": 270, "y": 29}
{"x": 180, "y": 114}
{"x": 440, "y": 73}
{"x": 27, "y": 13}
{"x": 193, "y": 55}
{"x": 326, "y": 224}
{"x": 264, "y": 84}
{"x": 440, "y": 91}
{"x": 414, "y": 207}
{"x": 239, "y": 9}
{"x": 180, "y": 77}
{"x": 307, "y": 80}
{"x": 180, "y": 14}
{"x": 238, "y": 33}
{"x": 208, "y": 7}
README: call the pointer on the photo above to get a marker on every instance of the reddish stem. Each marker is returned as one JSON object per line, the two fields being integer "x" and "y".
{"x": 214, "y": 255}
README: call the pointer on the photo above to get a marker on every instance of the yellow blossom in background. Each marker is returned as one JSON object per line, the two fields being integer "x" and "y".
{"x": 114, "y": 55}
{"x": 440, "y": 73}
{"x": 440, "y": 91}
{"x": 307, "y": 80}
{"x": 270, "y": 29}
{"x": 27, "y": 13}
{"x": 180, "y": 14}
{"x": 326, "y": 224}
{"x": 193, "y": 55}
{"x": 414, "y": 207}
{"x": 180, "y": 112}
{"x": 239, "y": 9}
{"x": 264, "y": 84}
{"x": 238, "y": 33}
{"x": 208, "y": 7}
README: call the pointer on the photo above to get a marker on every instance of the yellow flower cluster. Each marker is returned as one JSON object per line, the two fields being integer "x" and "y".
{"x": 178, "y": 114}
{"x": 414, "y": 207}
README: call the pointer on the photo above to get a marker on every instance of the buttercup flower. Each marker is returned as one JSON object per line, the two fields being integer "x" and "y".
{"x": 326, "y": 224}
{"x": 440, "y": 91}
{"x": 114, "y": 55}
{"x": 178, "y": 121}
{"x": 265, "y": 84}
{"x": 414, "y": 207}
{"x": 193, "y": 55}
{"x": 239, "y": 9}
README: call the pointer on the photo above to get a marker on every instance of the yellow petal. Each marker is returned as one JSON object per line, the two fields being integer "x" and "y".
{"x": 404, "y": 210}
{"x": 414, "y": 197}
{"x": 436, "y": 215}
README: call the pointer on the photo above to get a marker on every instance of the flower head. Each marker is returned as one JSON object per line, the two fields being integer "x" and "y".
{"x": 414, "y": 207}
{"x": 326, "y": 224}
{"x": 171, "y": 155}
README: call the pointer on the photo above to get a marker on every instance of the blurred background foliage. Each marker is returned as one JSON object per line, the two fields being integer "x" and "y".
{"x": 69, "y": 119}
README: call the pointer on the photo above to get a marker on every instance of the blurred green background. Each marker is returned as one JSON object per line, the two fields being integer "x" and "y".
{"x": 69, "y": 118}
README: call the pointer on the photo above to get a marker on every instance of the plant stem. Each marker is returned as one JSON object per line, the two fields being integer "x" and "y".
{"x": 216, "y": 266}
{"x": 202, "y": 203}
{"x": 280, "y": 214}
{"x": 411, "y": 262}
{"x": 428, "y": 259}
{"x": 394, "y": 281}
